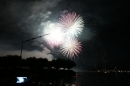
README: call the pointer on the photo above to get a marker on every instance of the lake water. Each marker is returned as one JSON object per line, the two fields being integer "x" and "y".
{"x": 103, "y": 79}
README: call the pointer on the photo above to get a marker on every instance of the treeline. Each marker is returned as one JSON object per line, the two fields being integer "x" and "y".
{"x": 14, "y": 61}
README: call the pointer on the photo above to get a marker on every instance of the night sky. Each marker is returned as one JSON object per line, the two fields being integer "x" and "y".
{"x": 105, "y": 37}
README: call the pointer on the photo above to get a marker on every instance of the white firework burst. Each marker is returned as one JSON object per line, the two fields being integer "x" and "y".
{"x": 56, "y": 36}
{"x": 71, "y": 47}
{"x": 72, "y": 24}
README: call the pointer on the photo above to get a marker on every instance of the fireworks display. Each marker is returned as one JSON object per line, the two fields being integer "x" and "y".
{"x": 55, "y": 37}
{"x": 71, "y": 47}
{"x": 72, "y": 24}
{"x": 64, "y": 34}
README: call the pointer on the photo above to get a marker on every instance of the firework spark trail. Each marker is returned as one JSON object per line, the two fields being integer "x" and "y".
{"x": 72, "y": 24}
{"x": 64, "y": 34}
{"x": 71, "y": 47}
{"x": 56, "y": 36}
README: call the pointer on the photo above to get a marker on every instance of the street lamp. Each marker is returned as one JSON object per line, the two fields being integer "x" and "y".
{"x": 30, "y": 40}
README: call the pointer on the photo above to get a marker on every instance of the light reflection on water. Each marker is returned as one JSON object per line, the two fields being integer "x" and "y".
{"x": 103, "y": 79}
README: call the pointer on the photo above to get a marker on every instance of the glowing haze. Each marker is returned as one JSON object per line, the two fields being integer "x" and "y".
{"x": 56, "y": 36}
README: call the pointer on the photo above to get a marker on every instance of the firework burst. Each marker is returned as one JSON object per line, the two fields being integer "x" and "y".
{"x": 72, "y": 24}
{"x": 71, "y": 47}
{"x": 64, "y": 34}
{"x": 55, "y": 37}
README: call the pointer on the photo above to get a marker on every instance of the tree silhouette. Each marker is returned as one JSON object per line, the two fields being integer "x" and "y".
{"x": 14, "y": 61}
{"x": 31, "y": 62}
{"x": 41, "y": 63}
{"x": 10, "y": 61}
{"x": 50, "y": 64}
{"x": 37, "y": 63}
{"x": 57, "y": 63}
{"x": 63, "y": 63}
{"x": 70, "y": 64}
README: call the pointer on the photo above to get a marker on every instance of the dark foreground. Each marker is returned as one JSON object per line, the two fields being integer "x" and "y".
{"x": 36, "y": 77}
{"x": 104, "y": 79}
{"x": 63, "y": 77}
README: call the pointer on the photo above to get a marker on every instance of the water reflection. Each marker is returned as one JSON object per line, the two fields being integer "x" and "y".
{"x": 103, "y": 79}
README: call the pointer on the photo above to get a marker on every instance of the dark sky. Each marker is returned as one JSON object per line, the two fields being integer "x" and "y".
{"x": 105, "y": 37}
